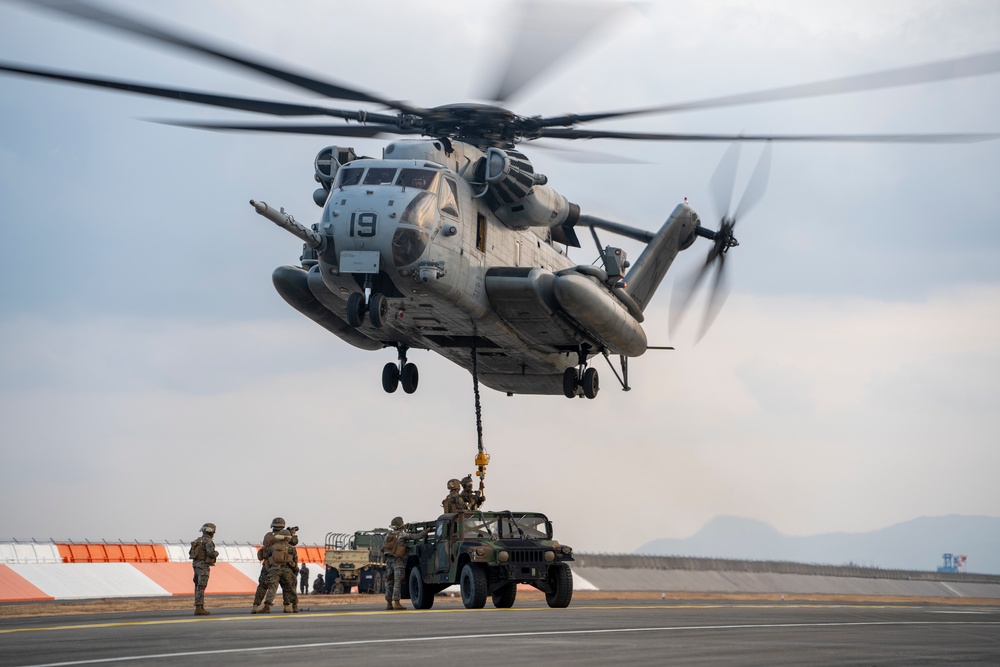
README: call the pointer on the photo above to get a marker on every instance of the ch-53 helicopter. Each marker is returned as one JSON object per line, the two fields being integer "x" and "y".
{"x": 451, "y": 241}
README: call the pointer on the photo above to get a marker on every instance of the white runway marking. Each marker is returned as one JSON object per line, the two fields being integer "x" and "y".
{"x": 503, "y": 635}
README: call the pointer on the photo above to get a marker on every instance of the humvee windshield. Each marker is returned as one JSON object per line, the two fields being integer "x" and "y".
{"x": 507, "y": 525}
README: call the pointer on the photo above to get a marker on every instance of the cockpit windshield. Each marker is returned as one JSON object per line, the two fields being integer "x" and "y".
{"x": 422, "y": 179}
{"x": 410, "y": 177}
{"x": 348, "y": 176}
{"x": 380, "y": 175}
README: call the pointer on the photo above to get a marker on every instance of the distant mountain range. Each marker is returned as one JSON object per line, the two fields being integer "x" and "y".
{"x": 912, "y": 545}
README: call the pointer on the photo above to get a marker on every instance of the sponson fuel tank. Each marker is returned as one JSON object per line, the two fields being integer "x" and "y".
{"x": 569, "y": 301}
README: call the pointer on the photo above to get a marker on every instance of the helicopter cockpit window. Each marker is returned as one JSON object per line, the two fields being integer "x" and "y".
{"x": 449, "y": 198}
{"x": 420, "y": 212}
{"x": 416, "y": 178}
{"x": 349, "y": 176}
{"x": 380, "y": 175}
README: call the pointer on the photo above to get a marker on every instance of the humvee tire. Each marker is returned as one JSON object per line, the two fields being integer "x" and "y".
{"x": 561, "y": 581}
{"x": 421, "y": 594}
{"x": 503, "y": 597}
{"x": 473, "y": 585}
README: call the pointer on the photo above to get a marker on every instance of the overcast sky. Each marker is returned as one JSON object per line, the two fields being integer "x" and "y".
{"x": 151, "y": 379}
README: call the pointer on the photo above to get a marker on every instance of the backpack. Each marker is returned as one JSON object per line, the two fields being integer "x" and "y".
{"x": 197, "y": 550}
{"x": 281, "y": 553}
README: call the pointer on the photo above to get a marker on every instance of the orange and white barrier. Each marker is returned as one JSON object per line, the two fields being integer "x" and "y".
{"x": 66, "y": 571}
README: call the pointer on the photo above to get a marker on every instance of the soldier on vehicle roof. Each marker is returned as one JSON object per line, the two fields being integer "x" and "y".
{"x": 473, "y": 499}
{"x": 203, "y": 555}
{"x": 453, "y": 502}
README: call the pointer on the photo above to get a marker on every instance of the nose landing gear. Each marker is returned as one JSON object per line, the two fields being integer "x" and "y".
{"x": 376, "y": 308}
{"x": 401, "y": 372}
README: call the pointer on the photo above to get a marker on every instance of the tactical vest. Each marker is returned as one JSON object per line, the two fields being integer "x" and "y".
{"x": 394, "y": 546}
{"x": 197, "y": 550}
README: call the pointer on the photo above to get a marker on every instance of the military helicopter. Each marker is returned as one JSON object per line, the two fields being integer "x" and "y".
{"x": 451, "y": 241}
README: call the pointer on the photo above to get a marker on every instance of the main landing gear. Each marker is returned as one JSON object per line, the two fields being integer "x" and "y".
{"x": 580, "y": 380}
{"x": 401, "y": 372}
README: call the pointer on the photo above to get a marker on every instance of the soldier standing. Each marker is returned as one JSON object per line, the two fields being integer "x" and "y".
{"x": 203, "y": 554}
{"x": 453, "y": 501}
{"x": 304, "y": 579}
{"x": 394, "y": 554}
{"x": 282, "y": 566}
{"x": 473, "y": 499}
{"x": 277, "y": 525}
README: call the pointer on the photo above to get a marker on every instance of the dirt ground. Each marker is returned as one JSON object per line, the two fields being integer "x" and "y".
{"x": 326, "y": 603}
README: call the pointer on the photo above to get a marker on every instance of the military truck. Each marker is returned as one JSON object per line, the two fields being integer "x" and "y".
{"x": 354, "y": 561}
{"x": 487, "y": 554}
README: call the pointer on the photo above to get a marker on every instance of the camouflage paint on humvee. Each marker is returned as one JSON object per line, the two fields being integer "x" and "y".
{"x": 488, "y": 554}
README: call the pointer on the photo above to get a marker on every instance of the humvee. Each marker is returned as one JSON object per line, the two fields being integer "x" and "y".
{"x": 487, "y": 554}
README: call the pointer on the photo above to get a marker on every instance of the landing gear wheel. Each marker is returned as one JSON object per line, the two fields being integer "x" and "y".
{"x": 503, "y": 597}
{"x": 356, "y": 309}
{"x": 390, "y": 377}
{"x": 378, "y": 310}
{"x": 591, "y": 384}
{"x": 409, "y": 377}
{"x": 473, "y": 585}
{"x": 569, "y": 383}
{"x": 561, "y": 582}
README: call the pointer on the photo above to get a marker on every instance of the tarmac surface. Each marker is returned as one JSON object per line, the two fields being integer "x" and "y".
{"x": 592, "y": 631}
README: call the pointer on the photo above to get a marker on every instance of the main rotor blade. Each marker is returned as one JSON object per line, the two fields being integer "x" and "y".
{"x": 961, "y": 138}
{"x": 756, "y": 186}
{"x": 81, "y": 10}
{"x": 210, "y": 99}
{"x": 723, "y": 180}
{"x": 365, "y": 131}
{"x": 544, "y": 34}
{"x": 944, "y": 70}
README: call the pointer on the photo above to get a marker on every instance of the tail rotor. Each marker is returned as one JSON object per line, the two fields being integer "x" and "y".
{"x": 721, "y": 186}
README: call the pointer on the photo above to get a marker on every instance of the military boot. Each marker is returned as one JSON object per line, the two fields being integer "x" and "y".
{"x": 253, "y": 610}
{"x": 388, "y": 606}
{"x": 201, "y": 611}
{"x": 287, "y": 609}
{"x": 295, "y": 608}
{"x": 397, "y": 606}
{"x": 266, "y": 609}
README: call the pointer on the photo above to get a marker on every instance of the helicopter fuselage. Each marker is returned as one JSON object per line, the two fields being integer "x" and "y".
{"x": 415, "y": 228}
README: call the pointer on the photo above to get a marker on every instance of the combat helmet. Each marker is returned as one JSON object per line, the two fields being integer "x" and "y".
{"x": 208, "y": 528}
{"x": 397, "y": 522}
{"x": 454, "y": 485}
{"x": 277, "y": 523}
{"x": 467, "y": 480}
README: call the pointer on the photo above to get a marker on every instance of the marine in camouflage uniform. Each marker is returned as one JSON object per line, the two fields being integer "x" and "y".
{"x": 453, "y": 502}
{"x": 473, "y": 499}
{"x": 283, "y": 574}
{"x": 277, "y": 525}
{"x": 203, "y": 555}
{"x": 395, "y": 567}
